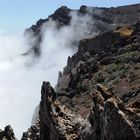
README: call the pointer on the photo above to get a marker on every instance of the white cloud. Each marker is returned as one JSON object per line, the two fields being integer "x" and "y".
{"x": 20, "y": 85}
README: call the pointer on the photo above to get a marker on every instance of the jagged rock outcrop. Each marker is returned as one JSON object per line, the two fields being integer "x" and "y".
{"x": 112, "y": 58}
{"x": 33, "y": 133}
{"x": 61, "y": 16}
{"x": 81, "y": 107}
{"x": 56, "y": 122}
{"x": 110, "y": 119}
{"x": 7, "y": 134}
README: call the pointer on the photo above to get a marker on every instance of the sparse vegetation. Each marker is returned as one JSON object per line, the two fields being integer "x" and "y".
{"x": 114, "y": 67}
{"x": 132, "y": 76}
{"x": 99, "y": 77}
{"x": 130, "y": 56}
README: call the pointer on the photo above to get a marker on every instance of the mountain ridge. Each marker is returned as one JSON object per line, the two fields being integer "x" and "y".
{"x": 98, "y": 93}
{"x": 106, "y": 19}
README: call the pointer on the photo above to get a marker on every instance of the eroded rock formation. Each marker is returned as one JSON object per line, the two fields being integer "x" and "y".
{"x": 98, "y": 93}
{"x": 7, "y": 133}
{"x": 56, "y": 121}
{"x": 110, "y": 119}
{"x": 83, "y": 109}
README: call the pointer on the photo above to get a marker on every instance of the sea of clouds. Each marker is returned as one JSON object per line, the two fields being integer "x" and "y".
{"x": 21, "y": 76}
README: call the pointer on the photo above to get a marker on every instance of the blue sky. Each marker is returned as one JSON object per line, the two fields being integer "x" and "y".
{"x": 16, "y": 15}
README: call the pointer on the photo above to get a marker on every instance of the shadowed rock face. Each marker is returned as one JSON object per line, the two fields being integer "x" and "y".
{"x": 83, "y": 109}
{"x": 56, "y": 122}
{"x": 7, "y": 134}
{"x": 111, "y": 115}
{"x": 109, "y": 119}
{"x": 33, "y": 133}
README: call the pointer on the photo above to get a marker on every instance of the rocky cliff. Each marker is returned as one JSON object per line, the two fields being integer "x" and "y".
{"x": 98, "y": 93}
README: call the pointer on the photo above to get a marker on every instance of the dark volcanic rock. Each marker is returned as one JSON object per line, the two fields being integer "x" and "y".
{"x": 33, "y": 133}
{"x": 62, "y": 16}
{"x": 56, "y": 122}
{"x": 109, "y": 119}
{"x": 81, "y": 108}
{"x": 7, "y": 134}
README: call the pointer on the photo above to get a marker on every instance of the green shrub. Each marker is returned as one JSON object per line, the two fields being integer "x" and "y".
{"x": 114, "y": 67}
{"x": 99, "y": 77}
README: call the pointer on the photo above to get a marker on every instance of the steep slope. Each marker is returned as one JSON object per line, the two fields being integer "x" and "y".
{"x": 112, "y": 59}
{"x": 83, "y": 109}
{"x": 7, "y": 133}
{"x": 98, "y": 93}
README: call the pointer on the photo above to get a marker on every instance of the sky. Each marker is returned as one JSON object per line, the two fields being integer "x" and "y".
{"x": 17, "y": 15}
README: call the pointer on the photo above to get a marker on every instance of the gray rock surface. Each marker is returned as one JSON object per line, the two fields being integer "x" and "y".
{"x": 7, "y": 134}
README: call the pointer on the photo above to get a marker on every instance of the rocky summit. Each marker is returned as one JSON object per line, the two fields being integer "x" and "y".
{"x": 97, "y": 96}
{"x": 102, "y": 20}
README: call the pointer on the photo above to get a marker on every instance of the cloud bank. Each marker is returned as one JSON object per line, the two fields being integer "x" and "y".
{"x": 19, "y": 83}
